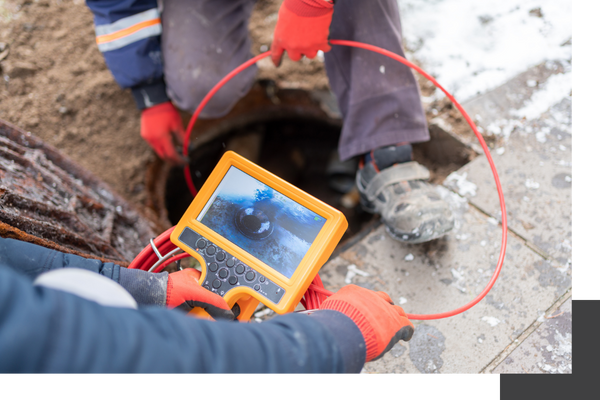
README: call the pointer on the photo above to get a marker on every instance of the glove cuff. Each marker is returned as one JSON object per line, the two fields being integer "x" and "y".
{"x": 147, "y": 288}
{"x": 150, "y": 94}
{"x": 309, "y": 8}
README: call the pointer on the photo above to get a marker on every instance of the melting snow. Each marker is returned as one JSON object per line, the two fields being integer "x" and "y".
{"x": 464, "y": 186}
{"x": 556, "y": 88}
{"x": 471, "y": 46}
{"x": 531, "y": 184}
{"x": 491, "y": 320}
{"x": 352, "y": 272}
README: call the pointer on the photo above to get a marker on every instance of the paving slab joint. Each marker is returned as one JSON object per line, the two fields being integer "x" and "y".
{"x": 527, "y": 243}
{"x": 521, "y": 338}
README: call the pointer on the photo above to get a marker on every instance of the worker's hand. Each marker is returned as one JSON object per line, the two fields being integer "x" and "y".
{"x": 302, "y": 29}
{"x": 184, "y": 292}
{"x": 158, "y": 126}
{"x": 381, "y": 323}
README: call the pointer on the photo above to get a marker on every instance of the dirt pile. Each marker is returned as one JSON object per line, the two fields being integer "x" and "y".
{"x": 57, "y": 86}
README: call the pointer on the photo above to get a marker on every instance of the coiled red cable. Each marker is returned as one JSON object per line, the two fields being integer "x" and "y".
{"x": 316, "y": 292}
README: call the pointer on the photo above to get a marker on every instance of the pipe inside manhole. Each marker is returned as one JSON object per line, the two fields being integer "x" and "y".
{"x": 300, "y": 150}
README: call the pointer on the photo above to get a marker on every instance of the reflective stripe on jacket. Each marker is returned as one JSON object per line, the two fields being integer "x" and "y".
{"x": 128, "y": 35}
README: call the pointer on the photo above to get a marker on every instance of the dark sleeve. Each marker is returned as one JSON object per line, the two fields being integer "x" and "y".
{"x": 45, "y": 330}
{"x": 32, "y": 260}
{"x": 128, "y": 34}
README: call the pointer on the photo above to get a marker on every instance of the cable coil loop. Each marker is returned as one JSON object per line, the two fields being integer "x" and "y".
{"x": 316, "y": 293}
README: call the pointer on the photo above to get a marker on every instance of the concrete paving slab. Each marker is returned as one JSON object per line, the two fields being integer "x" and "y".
{"x": 445, "y": 274}
{"x": 534, "y": 162}
{"x": 534, "y": 166}
{"x": 547, "y": 350}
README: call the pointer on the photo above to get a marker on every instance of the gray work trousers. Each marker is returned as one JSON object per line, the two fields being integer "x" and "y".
{"x": 203, "y": 40}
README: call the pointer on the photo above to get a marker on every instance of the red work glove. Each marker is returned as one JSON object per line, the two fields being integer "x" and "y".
{"x": 381, "y": 323}
{"x": 302, "y": 28}
{"x": 184, "y": 292}
{"x": 158, "y": 124}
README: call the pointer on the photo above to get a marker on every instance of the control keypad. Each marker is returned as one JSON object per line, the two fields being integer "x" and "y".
{"x": 225, "y": 272}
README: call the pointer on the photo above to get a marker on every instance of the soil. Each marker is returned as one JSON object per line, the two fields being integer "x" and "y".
{"x": 57, "y": 86}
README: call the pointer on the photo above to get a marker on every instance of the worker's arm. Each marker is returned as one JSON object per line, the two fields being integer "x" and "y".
{"x": 178, "y": 290}
{"x": 128, "y": 33}
{"x": 45, "y": 330}
{"x": 32, "y": 260}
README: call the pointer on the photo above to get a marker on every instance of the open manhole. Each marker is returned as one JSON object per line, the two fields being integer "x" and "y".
{"x": 302, "y": 151}
{"x": 299, "y": 145}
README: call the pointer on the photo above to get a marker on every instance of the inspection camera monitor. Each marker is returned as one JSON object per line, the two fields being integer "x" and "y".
{"x": 257, "y": 237}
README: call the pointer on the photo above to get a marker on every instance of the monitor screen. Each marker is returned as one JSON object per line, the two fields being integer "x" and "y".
{"x": 265, "y": 223}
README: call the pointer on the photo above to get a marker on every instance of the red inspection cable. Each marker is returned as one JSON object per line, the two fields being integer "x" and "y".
{"x": 316, "y": 291}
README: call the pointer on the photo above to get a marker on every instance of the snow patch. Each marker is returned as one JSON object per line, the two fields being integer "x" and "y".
{"x": 491, "y": 320}
{"x": 531, "y": 184}
{"x": 464, "y": 186}
{"x": 556, "y": 88}
{"x": 352, "y": 272}
{"x": 472, "y": 46}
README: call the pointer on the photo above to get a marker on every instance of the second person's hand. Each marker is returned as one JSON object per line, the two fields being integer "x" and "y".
{"x": 302, "y": 29}
{"x": 159, "y": 125}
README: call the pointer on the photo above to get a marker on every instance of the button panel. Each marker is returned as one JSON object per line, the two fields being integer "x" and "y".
{"x": 226, "y": 272}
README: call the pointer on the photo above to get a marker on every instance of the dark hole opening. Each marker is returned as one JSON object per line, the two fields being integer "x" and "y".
{"x": 303, "y": 152}
{"x": 251, "y": 222}
{"x": 298, "y": 150}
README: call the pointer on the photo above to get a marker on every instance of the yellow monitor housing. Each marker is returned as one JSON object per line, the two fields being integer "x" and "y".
{"x": 257, "y": 237}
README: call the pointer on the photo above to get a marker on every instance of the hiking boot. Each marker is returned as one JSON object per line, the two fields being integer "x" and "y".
{"x": 396, "y": 188}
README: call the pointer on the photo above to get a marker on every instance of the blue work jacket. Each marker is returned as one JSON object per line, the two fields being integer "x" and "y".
{"x": 47, "y": 330}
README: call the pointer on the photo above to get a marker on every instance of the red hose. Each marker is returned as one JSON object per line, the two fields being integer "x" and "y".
{"x": 316, "y": 292}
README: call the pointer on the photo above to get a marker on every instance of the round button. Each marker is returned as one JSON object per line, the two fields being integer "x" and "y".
{"x": 250, "y": 276}
{"x": 201, "y": 243}
{"x": 240, "y": 269}
{"x": 257, "y": 287}
{"x": 216, "y": 283}
{"x": 223, "y": 273}
{"x": 210, "y": 250}
{"x": 220, "y": 256}
{"x": 230, "y": 262}
{"x": 206, "y": 287}
{"x": 213, "y": 267}
{"x": 232, "y": 280}
{"x": 262, "y": 279}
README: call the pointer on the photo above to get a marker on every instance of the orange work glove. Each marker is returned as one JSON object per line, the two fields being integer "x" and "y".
{"x": 158, "y": 124}
{"x": 302, "y": 29}
{"x": 184, "y": 292}
{"x": 381, "y": 323}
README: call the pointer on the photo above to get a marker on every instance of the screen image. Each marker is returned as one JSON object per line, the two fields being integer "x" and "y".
{"x": 263, "y": 222}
